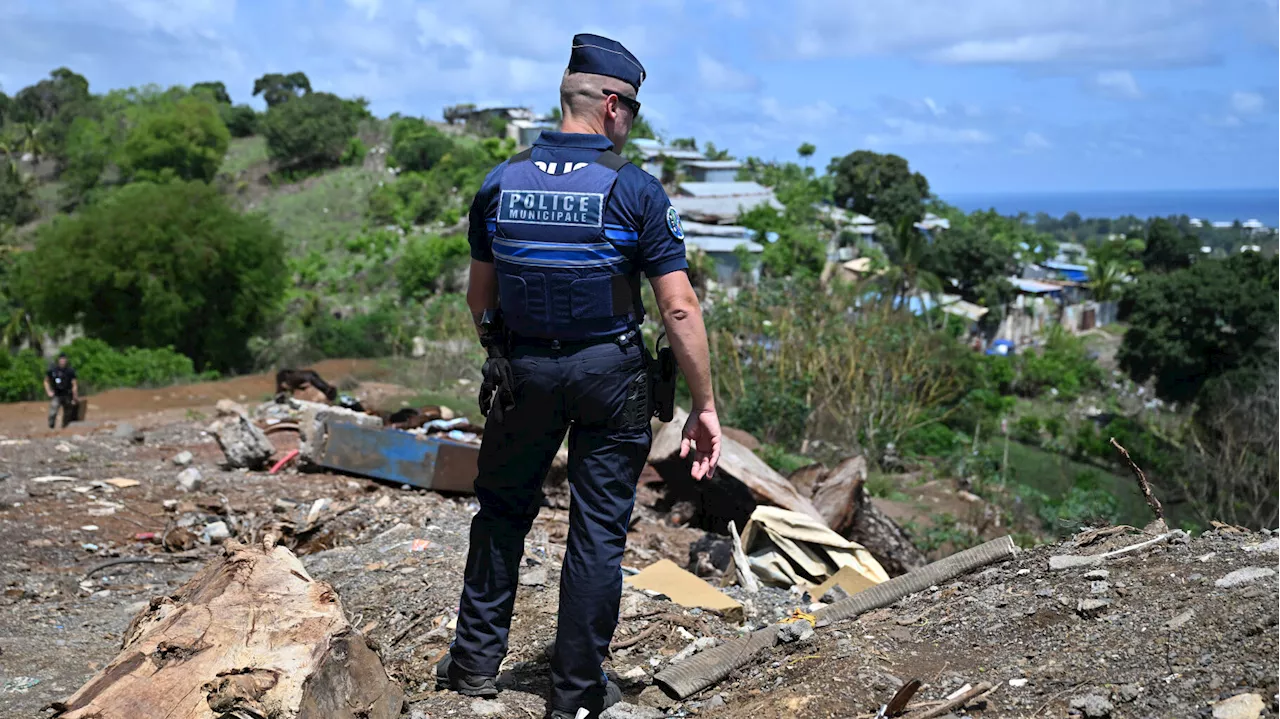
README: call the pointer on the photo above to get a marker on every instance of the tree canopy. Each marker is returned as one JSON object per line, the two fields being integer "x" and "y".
{"x": 156, "y": 265}
{"x": 310, "y": 132}
{"x": 277, "y": 88}
{"x": 185, "y": 140}
{"x": 882, "y": 187}
{"x": 1167, "y": 247}
{"x": 1194, "y": 324}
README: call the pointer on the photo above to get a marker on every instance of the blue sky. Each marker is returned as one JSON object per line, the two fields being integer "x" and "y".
{"x": 979, "y": 95}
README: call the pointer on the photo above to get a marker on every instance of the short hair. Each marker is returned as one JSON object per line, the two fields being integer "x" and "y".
{"x": 581, "y": 92}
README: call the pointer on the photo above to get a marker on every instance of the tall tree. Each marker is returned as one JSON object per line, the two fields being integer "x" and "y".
{"x": 216, "y": 90}
{"x": 1194, "y": 324}
{"x": 882, "y": 187}
{"x": 155, "y": 265}
{"x": 276, "y": 88}
{"x": 185, "y": 140}
{"x": 310, "y": 132}
{"x": 1168, "y": 248}
{"x": 805, "y": 151}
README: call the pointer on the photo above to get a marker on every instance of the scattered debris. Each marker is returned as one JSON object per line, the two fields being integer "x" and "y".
{"x": 742, "y": 567}
{"x": 1090, "y": 608}
{"x": 1072, "y": 561}
{"x": 1180, "y": 620}
{"x": 1245, "y": 575}
{"x": 215, "y": 532}
{"x": 182, "y": 459}
{"x": 790, "y": 549}
{"x": 53, "y": 478}
{"x": 122, "y": 482}
{"x": 243, "y": 443}
{"x": 433, "y": 462}
{"x": 665, "y": 577}
{"x": 847, "y": 579}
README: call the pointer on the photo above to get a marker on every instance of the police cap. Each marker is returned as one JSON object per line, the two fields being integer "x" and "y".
{"x": 601, "y": 56}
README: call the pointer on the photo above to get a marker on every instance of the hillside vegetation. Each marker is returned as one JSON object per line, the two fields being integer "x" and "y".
{"x": 184, "y": 234}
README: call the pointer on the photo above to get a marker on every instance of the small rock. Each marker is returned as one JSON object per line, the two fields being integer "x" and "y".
{"x": 488, "y": 708}
{"x": 650, "y": 697}
{"x": 623, "y": 710}
{"x": 1097, "y": 574}
{"x": 182, "y": 459}
{"x": 100, "y": 594}
{"x": 1090, "y": 608}
{"x": 1178, "y": 621}
{"x": 1240, "y": 706}
{"x": 1071, "y": 561}
{"x": 1018, "y": 683}
{"x": 1092, "y": 706}
{"x": 216, "y": 532}
{"x": 190, "y": 479}
{"x": 698, "y": 645}
{"x": 797, "y": 631}
{"x": 536, "y": 577}
{"x": 1271, "y": 545}
{"x": 1045, "y": 592}
{"x": 1127, "y": 692}
{"x": 716, "y": 702}
{"x": 1099, "y": 587}
{"x": 1244, "y": 576}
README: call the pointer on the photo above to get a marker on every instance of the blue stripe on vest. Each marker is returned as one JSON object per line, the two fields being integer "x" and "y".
{"x": 556, "y": 254}
{"x": 491, "y": 226}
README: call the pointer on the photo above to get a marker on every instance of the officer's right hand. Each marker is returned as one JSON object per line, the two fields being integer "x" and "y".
{"x": 702, "y": 433}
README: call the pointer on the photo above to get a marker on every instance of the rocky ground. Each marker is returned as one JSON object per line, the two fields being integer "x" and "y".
{"x": 1164, "y": 632}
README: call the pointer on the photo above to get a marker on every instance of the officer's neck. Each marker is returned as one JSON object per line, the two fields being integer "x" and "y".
{"x": 583, "y": 126}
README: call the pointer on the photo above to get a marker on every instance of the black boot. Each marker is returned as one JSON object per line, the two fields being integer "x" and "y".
{"x": 450, "y": 677}
{"x": 612, "y": 695}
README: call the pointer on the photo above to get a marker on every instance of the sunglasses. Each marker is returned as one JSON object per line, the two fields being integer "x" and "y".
{"x": 633, "y": 105}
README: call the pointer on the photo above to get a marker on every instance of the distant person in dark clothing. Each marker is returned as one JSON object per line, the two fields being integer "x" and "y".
{"x": 63, "y": 389}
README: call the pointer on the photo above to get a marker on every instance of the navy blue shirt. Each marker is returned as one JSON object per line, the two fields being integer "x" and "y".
{"x": 638, "y": 203}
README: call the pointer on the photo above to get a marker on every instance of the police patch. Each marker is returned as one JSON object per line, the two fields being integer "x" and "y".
{"x": 544, "y": 207}
{"x": 673, "y": 224}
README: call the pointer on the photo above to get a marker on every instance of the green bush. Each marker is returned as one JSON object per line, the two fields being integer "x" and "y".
{"x": 355, "y": 152}
{"x": 931, "y": 440}
{"x": 1027, "y": 430}
{"x": 376, "y": 334}
{"x": 167, "y": 265}
{"x": 1087, "y": 502}
{"x": 241, "y": 120}
{"x": 21, "y": 376}
{"x": 309, "y": 133}
{"x": 183, "y": 140}
{"x": 429, "y": 260}
{"x": 417, "y": 146}
{"x": 99, "y": 366}
{"x": 17, "y": 201}
{"x": 412, "y": 199}
{"x": 1063, "y": 364}
{"x": 773, "y": 410}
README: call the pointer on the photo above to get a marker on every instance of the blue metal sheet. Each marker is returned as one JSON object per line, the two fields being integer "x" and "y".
{"x": 430, "y": 462}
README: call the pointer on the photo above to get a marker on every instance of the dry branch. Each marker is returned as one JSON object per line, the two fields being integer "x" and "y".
{"x": 1142, "y": 481}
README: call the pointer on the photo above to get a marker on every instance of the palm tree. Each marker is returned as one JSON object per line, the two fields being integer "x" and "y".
{"x": 1104, "y": 279}
{"x": 31, "y": 142}
{"x": 806, "y": 151}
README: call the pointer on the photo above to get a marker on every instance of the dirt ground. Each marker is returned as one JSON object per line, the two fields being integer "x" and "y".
{"x": 1168, "y": 643}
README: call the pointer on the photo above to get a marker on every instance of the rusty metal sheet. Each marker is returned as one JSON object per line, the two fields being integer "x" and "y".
{"x": 431, "y": 462}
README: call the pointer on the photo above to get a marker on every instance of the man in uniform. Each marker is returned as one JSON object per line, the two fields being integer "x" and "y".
{"x": 63, "y": 388}
{"x": 560, "y": 235}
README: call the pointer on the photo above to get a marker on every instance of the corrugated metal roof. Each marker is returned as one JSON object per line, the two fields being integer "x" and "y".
{"x": 651, "y": 153}
{"x": 721, "y": 244}
{"x": 720, "y": 209}
{"x": 1065, "y": 266}
{"x": 723, "y": 189}
{"x": 715, "y": 164}
{"x": 1033, "y": 286}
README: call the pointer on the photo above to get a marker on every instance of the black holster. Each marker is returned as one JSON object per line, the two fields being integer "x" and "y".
{"x": 663, "y": 372}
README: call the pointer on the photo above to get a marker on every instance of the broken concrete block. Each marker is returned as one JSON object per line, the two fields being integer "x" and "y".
{"x": 242, "y": 442}
{"x": 190, "y": 479}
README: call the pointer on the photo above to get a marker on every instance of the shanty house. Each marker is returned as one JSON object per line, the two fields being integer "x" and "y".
{"x": 721, "y": 203}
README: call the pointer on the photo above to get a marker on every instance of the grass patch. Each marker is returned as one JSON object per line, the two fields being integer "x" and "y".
{"x": 883, "y": 486}
{"x": 323, "y": 212}
{"x": 781, "y": 460}
{"x": 244, "y": 154}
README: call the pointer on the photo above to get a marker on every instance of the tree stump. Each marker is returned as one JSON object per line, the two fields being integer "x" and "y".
{"x": 251, "y": 635}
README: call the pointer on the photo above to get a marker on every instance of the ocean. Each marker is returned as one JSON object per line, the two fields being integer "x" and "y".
{"x": 1210, "y": 205}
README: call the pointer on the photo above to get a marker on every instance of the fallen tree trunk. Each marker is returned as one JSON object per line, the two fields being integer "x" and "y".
{"x": 841, "y": 496}
{"x": 250, "y": 635}
{"x": 742, "y": 480}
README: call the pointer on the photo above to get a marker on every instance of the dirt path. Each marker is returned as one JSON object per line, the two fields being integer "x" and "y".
{"x": 145, "y": 407}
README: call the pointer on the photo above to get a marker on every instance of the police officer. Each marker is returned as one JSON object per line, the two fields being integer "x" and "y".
{"x": 560, "y": 235}
{"x": 63, "y": 388}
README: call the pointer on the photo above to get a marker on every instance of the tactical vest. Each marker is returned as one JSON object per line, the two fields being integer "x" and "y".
{"x": 563, "y": 273}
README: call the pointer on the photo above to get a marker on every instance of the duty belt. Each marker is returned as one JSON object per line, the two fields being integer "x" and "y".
{"x": 622, "y": 340}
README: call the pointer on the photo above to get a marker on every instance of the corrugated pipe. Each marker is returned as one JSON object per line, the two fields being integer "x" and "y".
{"x": 705, "y": 669}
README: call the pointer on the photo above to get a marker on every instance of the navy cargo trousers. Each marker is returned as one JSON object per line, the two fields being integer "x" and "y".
{"x": 599, "y": 394}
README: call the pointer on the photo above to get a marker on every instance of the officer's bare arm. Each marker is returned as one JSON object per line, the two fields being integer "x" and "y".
{"x": 682, "y": 317}
{"x": 482, "y": 290}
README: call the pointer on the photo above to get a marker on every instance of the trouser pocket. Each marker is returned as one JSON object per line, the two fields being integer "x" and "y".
{"x": 636, "y": 409}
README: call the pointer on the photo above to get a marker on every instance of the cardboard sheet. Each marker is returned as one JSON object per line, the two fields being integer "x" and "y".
{"x": 848, "y": 578}
{"x": 814, "y": 551}
{"x": 684, "y": 588}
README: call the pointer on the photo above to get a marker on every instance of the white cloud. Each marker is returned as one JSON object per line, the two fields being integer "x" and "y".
{"x": 914, "y": 132}
{"x": 1089, "y": 32}
{"x": 368, "y": 7}
{"x": 814, "y": 116}
{"x": 716, "y": 76}
{"x": 1033, "y": 141}
{"x": 933, "y": 107}
{"x": 1247, "y": 103}
{"x": 180, "y": 15}
{"x": 1117, "y": 84}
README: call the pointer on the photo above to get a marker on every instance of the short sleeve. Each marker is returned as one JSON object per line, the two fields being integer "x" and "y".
{"x": 480, "y": 222}
{"x": 661, "y": 234}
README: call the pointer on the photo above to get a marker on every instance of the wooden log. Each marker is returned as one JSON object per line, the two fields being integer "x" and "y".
{"x": 250, "y": 635}
{"x": 836, "y": 494}
{"x": 742, "y": 480}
